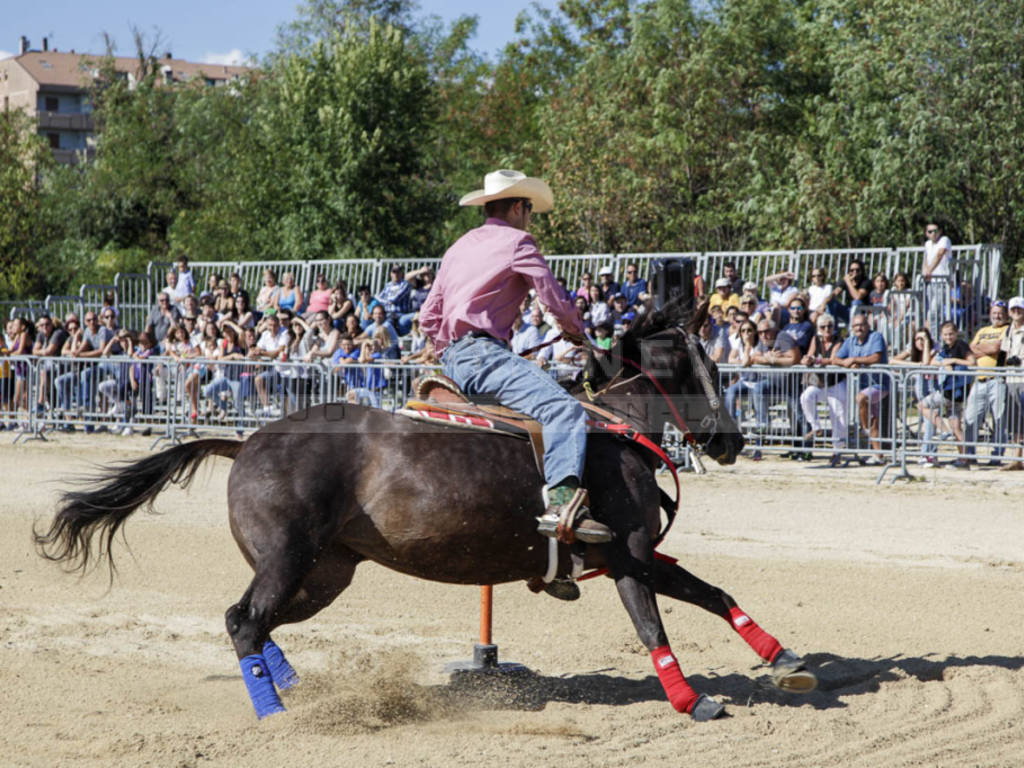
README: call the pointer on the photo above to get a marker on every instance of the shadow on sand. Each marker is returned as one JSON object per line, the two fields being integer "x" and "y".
{"x": 838, "y": 678}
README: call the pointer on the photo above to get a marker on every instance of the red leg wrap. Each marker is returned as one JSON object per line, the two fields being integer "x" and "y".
{"x": 679, "y": 693}
{"x": 766, "y": 646}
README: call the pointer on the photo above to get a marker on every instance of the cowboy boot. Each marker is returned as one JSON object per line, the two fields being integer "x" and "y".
{"x": 568, "y": 519}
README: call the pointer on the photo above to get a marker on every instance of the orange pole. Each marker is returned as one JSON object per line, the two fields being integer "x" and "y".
{"x": 486, "y": 602}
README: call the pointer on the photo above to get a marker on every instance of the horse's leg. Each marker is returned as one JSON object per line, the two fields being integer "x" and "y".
{"x": 631, "y": 563}
{"x": 278, "y": 594}
{"x": 788, "y": 669}
{"x": 328, "y": 579}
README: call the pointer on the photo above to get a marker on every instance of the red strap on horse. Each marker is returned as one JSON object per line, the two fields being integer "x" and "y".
{"x": 627, "y": 431}
{"x": 687, "y": 435}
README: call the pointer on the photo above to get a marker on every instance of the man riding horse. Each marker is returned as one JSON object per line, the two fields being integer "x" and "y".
{"x": 469, "y": 312}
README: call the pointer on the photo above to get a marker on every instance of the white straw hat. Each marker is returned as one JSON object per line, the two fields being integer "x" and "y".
{"x": 505, "y": 183}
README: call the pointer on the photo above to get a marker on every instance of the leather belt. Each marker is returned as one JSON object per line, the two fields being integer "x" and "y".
{"x": 479, "y": 335}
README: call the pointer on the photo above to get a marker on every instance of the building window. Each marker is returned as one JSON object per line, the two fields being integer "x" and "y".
{"x": 54, "y": 139}
{"x": 52, "y": 104}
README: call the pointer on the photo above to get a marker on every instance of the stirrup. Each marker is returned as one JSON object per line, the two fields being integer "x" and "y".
{"x": 571, "y": 522}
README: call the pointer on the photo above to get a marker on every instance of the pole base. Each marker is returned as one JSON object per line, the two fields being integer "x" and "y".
{"x": 485, "y": 662}
{"x": 492, "y": 684}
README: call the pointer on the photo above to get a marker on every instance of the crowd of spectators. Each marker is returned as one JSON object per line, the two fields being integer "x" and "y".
{"x": 805, "y": 326}
{"x": 203, "y": 336}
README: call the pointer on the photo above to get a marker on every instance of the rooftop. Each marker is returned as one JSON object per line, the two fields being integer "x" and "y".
{"x": 74, "y": 69}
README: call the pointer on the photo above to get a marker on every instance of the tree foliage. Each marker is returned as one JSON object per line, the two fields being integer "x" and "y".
{"x": 23, "y": 230}
{"x": 662, "y": 125}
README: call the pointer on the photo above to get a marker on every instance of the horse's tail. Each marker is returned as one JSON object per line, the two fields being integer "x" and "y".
{"x": 108, "y": 500}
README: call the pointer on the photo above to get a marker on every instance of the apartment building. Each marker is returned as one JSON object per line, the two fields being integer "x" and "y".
{"x": 53, "y": 87}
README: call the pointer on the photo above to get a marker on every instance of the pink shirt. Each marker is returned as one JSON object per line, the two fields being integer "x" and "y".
{"x": 483, "y": 279}
{"x": 319, "y": 301}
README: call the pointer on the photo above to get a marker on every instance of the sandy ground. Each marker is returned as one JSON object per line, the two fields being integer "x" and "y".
{"x": 908, "y": 600}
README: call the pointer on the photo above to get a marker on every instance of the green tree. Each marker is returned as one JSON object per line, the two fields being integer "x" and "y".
{"x": 24, "y": 157}
{"x": 923, "y": 119}
{"x": 330, "y": 160}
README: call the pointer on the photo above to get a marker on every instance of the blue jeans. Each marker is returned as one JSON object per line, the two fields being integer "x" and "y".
{"x": 486, "y": 366}
{"x": 732, "y": 393}
{"x": 88, "y": 380}
{"x": 403, "y": 323}
{"x": 223, "y": 384}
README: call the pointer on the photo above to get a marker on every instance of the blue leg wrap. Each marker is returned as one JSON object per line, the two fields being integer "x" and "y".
{"x": 282, "y": 672}
{"x": 260, "y": 685}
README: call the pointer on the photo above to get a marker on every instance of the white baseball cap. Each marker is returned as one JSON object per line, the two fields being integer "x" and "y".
{"x": 1017, "y": 302}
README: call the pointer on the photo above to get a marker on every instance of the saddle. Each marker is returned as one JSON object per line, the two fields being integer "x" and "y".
{"x": 436, "y": 398}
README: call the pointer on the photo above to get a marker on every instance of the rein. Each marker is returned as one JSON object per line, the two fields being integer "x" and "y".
{"x": 531, "y": 350}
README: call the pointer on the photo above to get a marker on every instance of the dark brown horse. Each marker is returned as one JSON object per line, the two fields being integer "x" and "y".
{"x": 313, "y": 495}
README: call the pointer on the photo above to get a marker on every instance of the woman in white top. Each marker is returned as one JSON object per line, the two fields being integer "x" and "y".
{"x": 599, "y": 310}
{"x": 819, "y": 293}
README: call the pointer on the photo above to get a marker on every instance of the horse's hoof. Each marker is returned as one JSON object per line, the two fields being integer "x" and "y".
{"x": 790, "y": 674}
{"x": 563, "y": 589}
{"x": 706, "y": 709}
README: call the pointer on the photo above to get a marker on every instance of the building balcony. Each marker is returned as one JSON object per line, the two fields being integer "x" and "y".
{"x": 64, "y": 121}
{"x": 72, "y": 156}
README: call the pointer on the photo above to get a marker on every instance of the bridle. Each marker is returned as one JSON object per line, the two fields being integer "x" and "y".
{"x": 709, "y": 423}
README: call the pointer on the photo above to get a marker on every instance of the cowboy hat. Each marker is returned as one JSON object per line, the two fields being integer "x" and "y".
{"x": 505, "y": 183}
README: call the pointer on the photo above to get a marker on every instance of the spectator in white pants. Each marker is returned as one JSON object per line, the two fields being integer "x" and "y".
{"x": 830, "y": 387}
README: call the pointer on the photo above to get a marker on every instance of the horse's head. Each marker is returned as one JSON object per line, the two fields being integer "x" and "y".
{"x": 658, "y": 372}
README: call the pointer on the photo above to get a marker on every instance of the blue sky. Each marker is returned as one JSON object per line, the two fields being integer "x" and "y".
{"x": 223, "y": 31}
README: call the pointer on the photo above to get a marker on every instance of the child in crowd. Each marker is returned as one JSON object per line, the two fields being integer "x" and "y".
{"x": 603, "y": 336}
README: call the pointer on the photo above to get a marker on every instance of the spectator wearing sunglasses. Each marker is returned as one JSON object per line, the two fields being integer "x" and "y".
{"x": 97, "y": 332}
{"x": 853, "y": 291}
{"x": 862, "y": 349}
{"x": 756, "y": 309}
{"x": 778, "y": 350}
{"x": 634, "y": 287}
{"x": 937, "y": 271}
{"x": 161, "y": 318}
{"x": 799, "y": 327}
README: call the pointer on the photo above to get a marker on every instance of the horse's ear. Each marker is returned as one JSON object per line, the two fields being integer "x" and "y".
{"x": 699, "y": 316}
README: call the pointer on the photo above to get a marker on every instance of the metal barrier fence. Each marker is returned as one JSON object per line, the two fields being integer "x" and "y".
{"x": 28, "y": 308}
{"x": 931, "y": 414}
{"x": 835, "y": 263}
{"x": 753, "y": 266}
{"x": 886, "y": 415}
{"x": 797, "y": 410}
{"x": 976, "y": 270}
{"x": 59, "y": 306}
{"x": 133, "y": 297}
{"x": 573, "y": 267}
{"x": 355, "y": 272}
